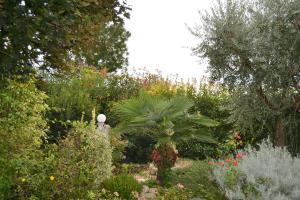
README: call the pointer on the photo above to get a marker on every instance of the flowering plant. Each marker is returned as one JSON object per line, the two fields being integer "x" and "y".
{"x": 234, "y": 143}
{"x": 228, "y": 167}
{"x": 264, "y": 174}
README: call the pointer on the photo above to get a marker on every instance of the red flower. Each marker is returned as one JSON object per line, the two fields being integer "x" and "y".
{"x": 238, "y": 155}
{"x": 221, "y": 164}
{"x": 228, "y": 160}
{"x": 235, "y": 163}
{"x": 210, "y": 162}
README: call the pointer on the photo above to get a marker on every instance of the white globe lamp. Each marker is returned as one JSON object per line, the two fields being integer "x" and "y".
{"x": 101, "y": 118}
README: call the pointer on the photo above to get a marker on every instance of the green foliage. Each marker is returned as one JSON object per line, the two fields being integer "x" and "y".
{"x": 111, "y": 50}
{"x": 61, "y": 32}
{"x": 265, "y": 173}
{"x": 151, "y": 183}
{"x": 173, "y": 193}
{"x": 107, "y": 195}
{"x": 164, "y": 119}
{"x": 139, "y": 148}
{"x": 74, "y": 168}
{"x": 263, "y": 69}
{"x": 211, "y": 100}
{"x": 198, "y": 180}
{"x": 81, "y": 92}
{"x": 124, "y": 184}
{"x": 82, "y": 161}
{"x": 72, "y": 96}
{"x": 195, "y": 149}
{"x": 22, "y": 128}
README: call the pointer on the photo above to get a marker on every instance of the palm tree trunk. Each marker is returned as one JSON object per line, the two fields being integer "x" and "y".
{"x": 160, "y": 175}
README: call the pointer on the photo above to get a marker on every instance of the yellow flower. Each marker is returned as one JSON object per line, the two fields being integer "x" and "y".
{"x": 23, "y": 179}
{"x": 51, "y": 178}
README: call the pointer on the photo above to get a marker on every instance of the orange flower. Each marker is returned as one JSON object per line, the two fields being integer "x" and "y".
{"x": 228, "y": 160}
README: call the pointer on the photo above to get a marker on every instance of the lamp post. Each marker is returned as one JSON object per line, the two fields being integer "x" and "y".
{"x": 102, "y": 127}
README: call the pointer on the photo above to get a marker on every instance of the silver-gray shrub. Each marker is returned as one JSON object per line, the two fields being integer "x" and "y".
{"x": 271, "y": 173}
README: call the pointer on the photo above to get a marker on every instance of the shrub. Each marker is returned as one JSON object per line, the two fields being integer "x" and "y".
{"x": 195, "y": 149}
{"x": 139, "y": 148}
{"x": 267, "y": 173}
{"x": 83, "y": 161}
{"x": 22, "y": 128}
{"x": 83, "y": 91}
{"x": 124, "y": 184}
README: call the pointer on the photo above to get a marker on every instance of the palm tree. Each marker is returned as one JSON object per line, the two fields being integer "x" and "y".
{"x": 167, "y": 120}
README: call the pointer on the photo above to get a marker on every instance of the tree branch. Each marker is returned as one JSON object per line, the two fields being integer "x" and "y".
{"x": 265, "y": 99}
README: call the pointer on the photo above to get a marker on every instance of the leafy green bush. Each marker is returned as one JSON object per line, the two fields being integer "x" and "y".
{"x": 83, "y": 91}
{"x": 22, "y": 129}
{"x": 139, "y": 148}
{"x": 72, "y": 96}
{"x": 82, "y": 161}
{"x": 194, "y": 149}
{"x": 124, "y": 184}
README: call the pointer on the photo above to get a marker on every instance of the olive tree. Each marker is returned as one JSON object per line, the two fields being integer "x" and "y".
{"x": 253, "y": 47}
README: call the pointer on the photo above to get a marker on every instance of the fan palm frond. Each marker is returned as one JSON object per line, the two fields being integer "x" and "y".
{"x": 146, "y": 111}
{"x": 176, "y": 107}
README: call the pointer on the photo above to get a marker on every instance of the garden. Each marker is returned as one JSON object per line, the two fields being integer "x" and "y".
{"x": 76, "y": 124}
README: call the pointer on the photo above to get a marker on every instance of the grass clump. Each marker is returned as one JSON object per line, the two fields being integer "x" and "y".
{"x": 124, "y": 185}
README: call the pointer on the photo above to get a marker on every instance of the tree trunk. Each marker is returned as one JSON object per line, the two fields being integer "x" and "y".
{"x": 160, "y": 176}
{"x": 279, "y": 133}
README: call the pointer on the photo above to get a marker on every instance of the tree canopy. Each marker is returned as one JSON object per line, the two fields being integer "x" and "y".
{"x": 49, "y": 35}
{"x": 253, "y": 47}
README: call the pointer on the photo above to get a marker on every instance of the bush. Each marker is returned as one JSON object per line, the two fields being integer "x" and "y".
{"x": 22, "y": 129}
{"x": 83, "y": 161}
{"x": 139, "y": 148}
{"x": 195, "y": 149}
{"x": 83, "y": 91}
{"x": 267, "y": 173}
{"x": 124, "y": 184}
{"x": 72, "y": 96}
